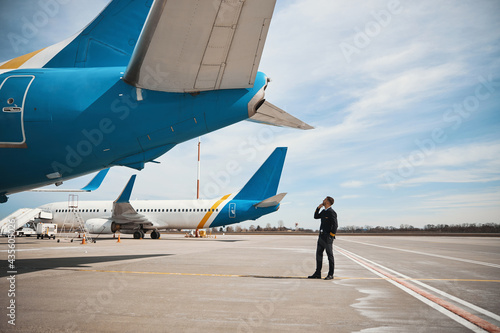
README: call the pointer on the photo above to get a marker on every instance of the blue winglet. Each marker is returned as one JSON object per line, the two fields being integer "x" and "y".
{"x": 125, "y": 195}
{"x": 96, "y": 181}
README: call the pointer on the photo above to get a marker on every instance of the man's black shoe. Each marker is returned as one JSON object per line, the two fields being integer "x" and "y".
{"x": 329, "y": 277}
{"x": 314, "y": 276}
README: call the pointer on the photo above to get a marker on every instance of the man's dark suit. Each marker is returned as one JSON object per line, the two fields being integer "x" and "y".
{"x": 327, "y": 232}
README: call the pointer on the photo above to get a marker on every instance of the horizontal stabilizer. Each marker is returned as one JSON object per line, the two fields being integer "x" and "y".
{"x": 270, "y": 202}
{"x": 193, "y": 45}
{"x": 270, "y": 114}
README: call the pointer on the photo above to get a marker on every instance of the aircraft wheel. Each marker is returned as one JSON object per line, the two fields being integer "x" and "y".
{"x": 155, "y": 235}
{"x": 137, "y": 235}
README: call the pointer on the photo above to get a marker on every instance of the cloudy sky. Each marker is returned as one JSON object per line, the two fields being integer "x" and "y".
{"x": 404, "y": 97}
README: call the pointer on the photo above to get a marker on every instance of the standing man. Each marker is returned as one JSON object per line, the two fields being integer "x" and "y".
{"x": 327, "y": 232}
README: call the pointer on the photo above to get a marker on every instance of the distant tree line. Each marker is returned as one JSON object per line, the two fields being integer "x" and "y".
{"x": 485, "y": 228}
{"x": 443, "y": 228}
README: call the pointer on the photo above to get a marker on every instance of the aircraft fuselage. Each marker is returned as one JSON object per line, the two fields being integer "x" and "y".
{"x": 57, "y": 124}
{"x": 166, "y": 214}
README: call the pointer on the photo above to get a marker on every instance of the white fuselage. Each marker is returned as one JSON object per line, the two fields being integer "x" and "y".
{"x": 165, "y": 214}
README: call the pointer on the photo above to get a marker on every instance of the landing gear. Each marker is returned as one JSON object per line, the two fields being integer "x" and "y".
{"x": 155, "y": 234}
{"x": 138, "y": 234}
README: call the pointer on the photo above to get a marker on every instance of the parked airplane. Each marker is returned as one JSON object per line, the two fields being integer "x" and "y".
{"x": 130, "y": 86}
{"x": 257, "y": 198}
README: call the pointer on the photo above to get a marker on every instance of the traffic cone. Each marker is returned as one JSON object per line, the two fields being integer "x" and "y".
{"x": 118, "y": 241}
{"x": 83, "y": 240}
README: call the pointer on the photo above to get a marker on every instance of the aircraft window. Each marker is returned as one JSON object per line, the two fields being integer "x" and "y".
{"x": 175, "y": 210}
{"x": 163, "y": 210}
{"x": 105, "y": 210}
{"x": 156, "y": 210}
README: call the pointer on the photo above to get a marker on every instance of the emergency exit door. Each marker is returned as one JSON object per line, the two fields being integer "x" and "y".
{"x": 13, "y": 91}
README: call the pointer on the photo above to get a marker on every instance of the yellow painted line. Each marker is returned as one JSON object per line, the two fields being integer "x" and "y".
{"x": 265, "y": 276}
{"x": 209, "y": 213}
{"x": 156, "y": 273}
{"x": 19, "y": 61}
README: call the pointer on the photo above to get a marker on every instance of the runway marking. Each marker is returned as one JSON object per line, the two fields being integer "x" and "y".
{"x": 461, "y": 316}
{"x": 429, "y": 254}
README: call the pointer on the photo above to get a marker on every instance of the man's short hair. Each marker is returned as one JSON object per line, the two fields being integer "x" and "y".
{"x": 330, "y": 200}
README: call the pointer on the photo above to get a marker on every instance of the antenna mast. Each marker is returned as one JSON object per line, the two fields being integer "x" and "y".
{"x": 198, "y": 179}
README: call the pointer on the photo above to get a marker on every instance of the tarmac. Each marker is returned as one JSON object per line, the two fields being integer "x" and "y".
{"x": 251, "y": 283}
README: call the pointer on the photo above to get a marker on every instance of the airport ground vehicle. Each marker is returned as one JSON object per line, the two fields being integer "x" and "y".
{"x": 46, "y": 230}
{"x": 25, "y": 232}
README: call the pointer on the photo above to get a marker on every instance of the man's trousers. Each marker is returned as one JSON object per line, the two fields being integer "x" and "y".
{"x": 325, "y": 243}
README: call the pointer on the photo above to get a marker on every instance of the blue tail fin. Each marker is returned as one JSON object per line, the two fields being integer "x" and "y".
{"x": 264, "y": 183}
{"x": 109, "y": 40}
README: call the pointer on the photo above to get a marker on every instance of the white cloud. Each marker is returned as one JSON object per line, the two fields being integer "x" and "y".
{"x": 352, "y": 184}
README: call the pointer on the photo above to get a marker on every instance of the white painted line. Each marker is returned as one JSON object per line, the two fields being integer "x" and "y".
{"x": 423, "y": 299}
{"x": 429, "y": 254}
{"x": 440, "y": 292}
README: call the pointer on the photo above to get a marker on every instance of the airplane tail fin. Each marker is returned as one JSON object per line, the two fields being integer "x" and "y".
{"x": 264, "y": 183}
{"x": 108, "y": 40}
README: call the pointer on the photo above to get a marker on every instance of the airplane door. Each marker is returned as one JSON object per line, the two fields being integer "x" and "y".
{"x": 232, "y": 210}
{"x": 13, "y": 92}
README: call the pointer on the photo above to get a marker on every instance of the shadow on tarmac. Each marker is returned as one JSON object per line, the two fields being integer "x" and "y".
{"x": 41, "y": 264}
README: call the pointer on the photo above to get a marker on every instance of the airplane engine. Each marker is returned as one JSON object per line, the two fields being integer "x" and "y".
{"x": 101, "y": 226}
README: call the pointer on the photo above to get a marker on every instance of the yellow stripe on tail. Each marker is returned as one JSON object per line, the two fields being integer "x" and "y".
{"x": 209, "y": 213}
{"x": 19, "y": 61}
